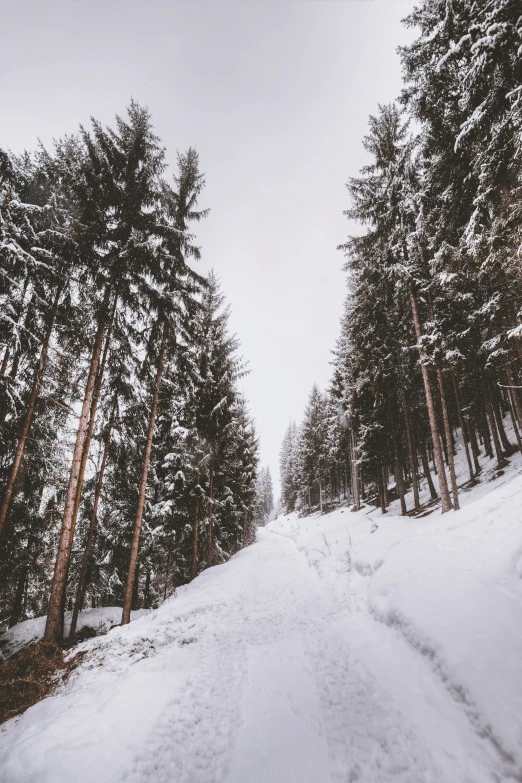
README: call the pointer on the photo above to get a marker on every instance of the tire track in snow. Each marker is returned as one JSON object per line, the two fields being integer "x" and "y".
{"x": 274, "y": 694}
{"x": 460, "y": 739}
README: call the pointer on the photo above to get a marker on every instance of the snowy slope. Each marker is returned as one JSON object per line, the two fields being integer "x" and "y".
{"x": 347, "y": 647}
{"x": 100, "y": 620}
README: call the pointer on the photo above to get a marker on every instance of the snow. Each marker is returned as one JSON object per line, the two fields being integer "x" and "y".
{"x": 100, "y": 620}
{"x": 344, "y": 647}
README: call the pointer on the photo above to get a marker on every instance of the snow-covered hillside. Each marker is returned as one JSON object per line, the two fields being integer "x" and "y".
{"x": 97, "y": 620}
{"x": 347, "y": 647}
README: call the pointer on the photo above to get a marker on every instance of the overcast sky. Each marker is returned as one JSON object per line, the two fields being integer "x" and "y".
{"x": 275, "y": 95}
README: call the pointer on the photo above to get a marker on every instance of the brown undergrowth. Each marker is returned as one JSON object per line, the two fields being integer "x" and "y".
{"x": 32, "y": 674}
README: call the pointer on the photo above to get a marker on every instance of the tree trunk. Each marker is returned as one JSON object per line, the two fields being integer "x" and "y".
{"x": 449, "y": 442}
{"x": 194, "y": 569}
{"x": 491, "y": 418}
{"x": 514, "y": 395}
{"x": 89, "y": 544}
{"x": 210, "y": 518}
{"x": 384, "y": 479}
{"x": 135, "y": 588}
{"x": 443, "y": 484}
{"x": 463, "y": 429}
{"x": 427, "y": 472}
{"x": 133, "y": 560}
{"x": 475, "y": 450}
{"x": 16, "y": 613}
{"x": 20, "y": 446}
{"x": 496, "y": 404}
{"x": 87, "y": 446}
{"x": 484, "y": 428}
{"x": 146, "y": 594}
{"x": 356, "y": 486}
{"x": 514, "y": 420}
{"x": 409, "y": 439}
{"x": 167, "y": 574}
{"x": 52, "y": 628}
{"x": 382, "y": 496}
{"x": 92, "y": 419}
{"x": 398, "y": 471}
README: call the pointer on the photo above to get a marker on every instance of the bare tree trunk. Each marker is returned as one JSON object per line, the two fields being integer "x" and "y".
{"x": 475, "y": 450}
{"x": 87, "y": 445}
{"x": 443, "y": 484}
{"x": 167, "y": 574}
{"x": 146, "y": 594}
{"x": 514, "y": 394}
{"x": 484, "y": 428}
{"x": 496, "y": 404}
{"x": 409, "y": 440}
{"x": 89, "y": 544}
{"x": 449, "y": 442}
{"x": 92, "y": 419}
{"x": 53, "y": 625}
{"x": 20, "y": 446}
{"x": 194, "y": 569}
{"x": 384, "y": 479}
{"x": 382, "y": 496}
{"x": 355, "y": 472}
{"x": 133, "y": 560}
{"x": 210, "y": 558}
{"x": 135, "y": 588}
{"x": 16, "y": 612}
{"x": 463, "y": 428}
{"x": 514, "y": 419}
{"x": 398, "y": 471}
{"x": 491, "y": 417}
{"x": 320, "y": 496}
{"x": 427, "y": 472}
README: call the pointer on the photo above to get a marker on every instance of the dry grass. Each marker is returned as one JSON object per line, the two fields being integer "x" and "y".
{"x": 30, "y": 675}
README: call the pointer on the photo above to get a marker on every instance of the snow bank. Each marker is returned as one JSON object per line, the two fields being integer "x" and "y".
{"x": 346, "y": 647}
{"x": 100, "y": 620}
{"x": 450, "y": 586}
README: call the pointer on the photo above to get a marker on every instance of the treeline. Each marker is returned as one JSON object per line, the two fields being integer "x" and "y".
{"x": 128, "y": 459}
{"x": 265, "y": 497}
{"x": 430, "y": 344}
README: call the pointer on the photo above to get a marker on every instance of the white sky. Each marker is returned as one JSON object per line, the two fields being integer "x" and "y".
{"x": 275, "y": 95}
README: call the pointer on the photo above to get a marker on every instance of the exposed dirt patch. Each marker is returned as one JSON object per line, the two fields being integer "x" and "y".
{"x": 30, "y": 675}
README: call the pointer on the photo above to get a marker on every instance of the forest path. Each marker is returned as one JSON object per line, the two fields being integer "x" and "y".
{"x": 294, "y": 683}
{"x": 268, "y": 669}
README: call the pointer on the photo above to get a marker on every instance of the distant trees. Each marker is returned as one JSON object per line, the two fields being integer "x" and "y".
{"x": 430, "y": 336}
{"x": 288, "y": 468}
{"x": 265, "y": 497}
{"x": 128, "y": 460}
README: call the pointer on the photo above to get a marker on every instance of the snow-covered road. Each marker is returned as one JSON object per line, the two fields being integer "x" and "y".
{"x": 274, "y": 667}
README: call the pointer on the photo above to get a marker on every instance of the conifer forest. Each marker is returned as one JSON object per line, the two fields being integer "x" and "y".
{"x": 201, "y": 582}
{"x": 129, "y": 458}
{"x": 430, "y": 342}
